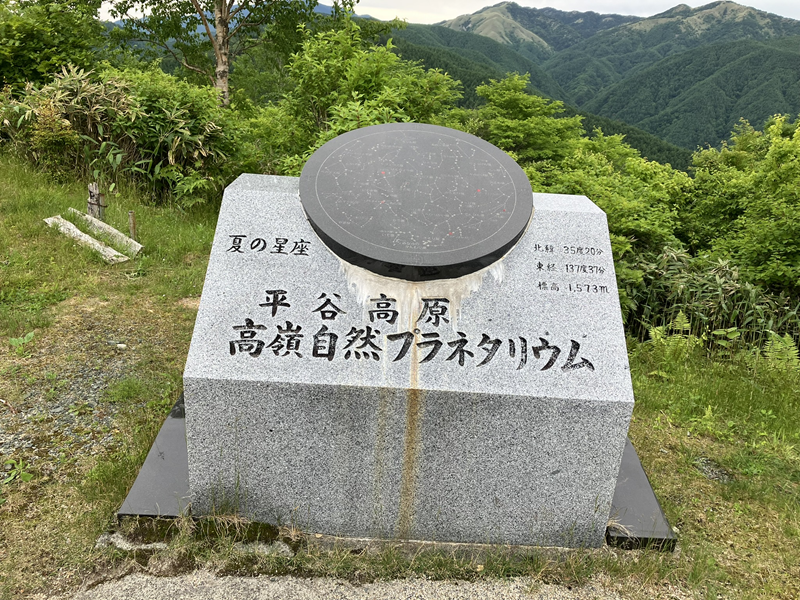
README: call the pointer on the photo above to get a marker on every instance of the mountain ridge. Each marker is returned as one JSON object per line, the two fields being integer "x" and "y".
{"x": 474, "y": 60}
{"x": 535, "y": 33}
{"x": 739, "y": 76}
{"x": 480, "y": 49}
{"x": 604, "y": 62}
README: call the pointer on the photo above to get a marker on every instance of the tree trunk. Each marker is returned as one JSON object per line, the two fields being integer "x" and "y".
{"x": 222, "y": 25}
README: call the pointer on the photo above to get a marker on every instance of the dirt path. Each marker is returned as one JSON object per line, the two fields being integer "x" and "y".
{"x": 202, "y": 585}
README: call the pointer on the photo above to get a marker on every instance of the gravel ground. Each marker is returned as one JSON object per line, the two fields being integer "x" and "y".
{"x": 202, "y": 585}
{"x": 52, "y": 409}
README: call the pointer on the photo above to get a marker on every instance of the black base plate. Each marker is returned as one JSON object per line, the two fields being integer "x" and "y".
{"x": 162, "y": 490}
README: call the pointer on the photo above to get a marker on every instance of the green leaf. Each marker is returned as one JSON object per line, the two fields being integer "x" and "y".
{"x": 661, "y": 374}
{"x": 21, "y": 341}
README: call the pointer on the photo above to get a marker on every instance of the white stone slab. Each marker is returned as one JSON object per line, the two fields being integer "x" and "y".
{"x": 109, "y": 255}
{"x": 96, "y": 226}
{"x": 516, "y": 448}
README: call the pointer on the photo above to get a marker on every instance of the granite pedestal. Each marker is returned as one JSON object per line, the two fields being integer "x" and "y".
{"x": 315, "y": 399}
{"x": 161, "y": 491}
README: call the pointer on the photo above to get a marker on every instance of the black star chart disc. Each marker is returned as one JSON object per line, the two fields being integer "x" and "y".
{"x": 416, "y": 202}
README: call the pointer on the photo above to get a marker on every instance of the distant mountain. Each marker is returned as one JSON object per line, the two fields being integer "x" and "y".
{"x": 686, "y": 75}
{"x": 471, "y": 59}
{"x": 607, "y": 57}
{"x": 698, "y": 96}
{"x": 535, "y": 33}
{"x": 474, "y": 60}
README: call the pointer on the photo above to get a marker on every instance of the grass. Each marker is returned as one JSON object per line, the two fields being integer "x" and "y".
{"x": 75, "y": 303}
{"x": 40, "y": 267}
{"x": 720, "y": 440}
{"x": 718, "y": 436}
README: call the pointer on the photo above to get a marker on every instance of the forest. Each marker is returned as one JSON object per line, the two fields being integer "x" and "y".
{"x": 707, "y": 255}
{"x": 686, "y": 75}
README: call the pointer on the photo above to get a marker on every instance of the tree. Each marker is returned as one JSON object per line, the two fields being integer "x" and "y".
{"x": 39, "y": 37}
{"x": 262, "y": 75}
{"x": 523, "y": 123}
{"x": 340, "y": 84}
{"x": 194, "y": 31}
{"x": 754, "y": 183}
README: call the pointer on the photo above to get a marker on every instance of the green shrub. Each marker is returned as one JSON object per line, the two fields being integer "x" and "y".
{"x": 165, "y": 135}
{"x": 720, "y": 305}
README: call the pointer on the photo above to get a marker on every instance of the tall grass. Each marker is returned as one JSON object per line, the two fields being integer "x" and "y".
{"x": 717, "y": 303}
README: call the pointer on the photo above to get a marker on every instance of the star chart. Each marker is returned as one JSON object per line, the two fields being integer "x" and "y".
{"x": 416, "y": 194}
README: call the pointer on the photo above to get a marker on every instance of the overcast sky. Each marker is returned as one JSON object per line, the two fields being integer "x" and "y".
{"x": 433, "y": 11}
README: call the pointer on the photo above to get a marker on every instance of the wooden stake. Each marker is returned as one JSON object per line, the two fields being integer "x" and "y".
{"x": 132, "y": 224}
{"x": 96, "y": 205}
{"x": 91, "y": 206}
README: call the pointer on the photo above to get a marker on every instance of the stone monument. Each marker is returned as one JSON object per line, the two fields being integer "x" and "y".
{"x": 407, "y": 343}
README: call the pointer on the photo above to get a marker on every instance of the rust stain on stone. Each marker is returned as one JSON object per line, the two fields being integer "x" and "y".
{"x": 379, "y": 525}
{"x": 411, "y": 451}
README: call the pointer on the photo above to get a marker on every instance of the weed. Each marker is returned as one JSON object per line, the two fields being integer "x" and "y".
{"x": 78, "y": 409}
{"x": 17, "y": 471}
{"x": 126, "y": 390}
{"x": 19, "y": 343}
{"x": 726, "y": 338}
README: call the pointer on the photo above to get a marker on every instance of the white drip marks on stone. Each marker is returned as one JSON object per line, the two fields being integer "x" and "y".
{"x": 408, "y": 295}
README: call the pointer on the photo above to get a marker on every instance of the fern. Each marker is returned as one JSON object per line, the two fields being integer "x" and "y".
{"x": 781, "y": 353}
{"x": 680, "y": 323}
{"x": 679, "y": 344}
